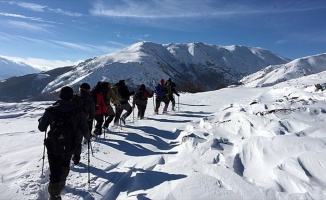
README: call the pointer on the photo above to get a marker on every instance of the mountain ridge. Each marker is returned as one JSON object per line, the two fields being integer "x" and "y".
{"x": 195, "y": 67}
{"x": 10, "y": 68}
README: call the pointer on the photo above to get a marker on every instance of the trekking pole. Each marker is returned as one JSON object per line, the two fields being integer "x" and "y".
{"x": 104, "y": 128}
{"x": 133, "y": 115}
{"x": 42, "y": 176}
{"x": 89, "y": 161}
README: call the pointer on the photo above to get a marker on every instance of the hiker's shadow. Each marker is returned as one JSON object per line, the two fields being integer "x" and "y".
{"x": 158, "y": 132}
{"x": 131, "y": 149}
{"x": 136, "y": 179}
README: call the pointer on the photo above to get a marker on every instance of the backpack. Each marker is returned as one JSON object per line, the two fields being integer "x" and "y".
{"x": 100, "y": 88}
{"x": 159, "y": 90}
{"x": 115, "y": 89}
{"x": 62, "y": 136}
{"x": 80, "y": 102}
{"x": 139, "y": 96}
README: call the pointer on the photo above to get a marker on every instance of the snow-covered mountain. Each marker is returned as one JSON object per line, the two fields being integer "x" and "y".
{"x": 194, "y": 67}
{"x": 10, "y": 68}
{"x": 274, "y": 74}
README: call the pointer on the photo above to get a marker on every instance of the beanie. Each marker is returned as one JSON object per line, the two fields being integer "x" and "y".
{"x": 162, "y": 81}
{"x": 85, "y": 86}
{"x": 66, "y": 93}
{"x": 142, "y": 86}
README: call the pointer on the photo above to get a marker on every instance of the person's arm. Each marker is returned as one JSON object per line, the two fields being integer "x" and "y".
{"x": 44, "y": 121}
{"x": 83, "y": 126}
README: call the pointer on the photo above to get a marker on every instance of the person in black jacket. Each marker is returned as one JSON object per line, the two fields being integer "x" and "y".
{"x": 171, "y": 90}
{"x": 140, "y": 100}
{"x": 88, "y": 108}
{"x": 124, "y": 95}
{"x": 60, "y": 163}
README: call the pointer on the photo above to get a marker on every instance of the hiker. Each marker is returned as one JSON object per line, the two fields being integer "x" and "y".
{"x": 111, "y": 97}
{"x": 66, "y": 121}
{"x": 171, "y": 90}
{"x": 161, "y": 91}
{"x": 88, "y": 108}
{"x": 99, "y": 93}
{"x": 140, "y": 100}
{"x": 122, "y": 91}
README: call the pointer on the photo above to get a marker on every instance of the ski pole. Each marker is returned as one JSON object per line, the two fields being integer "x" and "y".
{"x": 42, "y": 176}
{"x": 89, "y": 161}
{"x": 133, "y": 115}
{"x": 104, "y": 128}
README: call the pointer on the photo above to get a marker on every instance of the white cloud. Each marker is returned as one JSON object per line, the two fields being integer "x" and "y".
{"x": 26, "y": 17}
{"x": 44, "y": 64}
{"x": 68, "y": 13}
{"x": 89, "y": 47}
{"x": 30, "y": 6}
{"x": 158, "y": 9}
{"x": 29, "y": 26}
{"x": 41, "y": 8}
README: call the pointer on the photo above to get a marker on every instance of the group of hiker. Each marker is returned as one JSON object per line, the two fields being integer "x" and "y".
{"x": 71, "y": 119}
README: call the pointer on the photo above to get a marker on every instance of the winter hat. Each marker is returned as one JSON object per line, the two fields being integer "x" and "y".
{"x": 85, "y": 86}
{"x": 162, "y": 81}
{"x": 142, "y": 86}
{"x": 66, "y": 93}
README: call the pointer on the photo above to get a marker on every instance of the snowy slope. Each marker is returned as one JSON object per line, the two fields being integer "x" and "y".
{"x": 194, "y": 66}
{"x": 10, "y": 68}
{"x": 233, "y": 143}
{"x": 278, "y": 73}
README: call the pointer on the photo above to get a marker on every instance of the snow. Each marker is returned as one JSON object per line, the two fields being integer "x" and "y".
{"x": 234, "y": 143}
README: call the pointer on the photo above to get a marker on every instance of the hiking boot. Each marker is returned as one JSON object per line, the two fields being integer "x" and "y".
{"x": 76, "y": 159}
{"x": 54, "y": 190}
{"x": 123, "y": 120}
{"x": 97, "y": 131}
{"x": 55, "y": 198}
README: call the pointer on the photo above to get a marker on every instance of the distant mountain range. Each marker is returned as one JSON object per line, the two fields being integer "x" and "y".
{"x": 297, "y": 68}
{"x": 194, "y": 67}
{"x": 10, "y": 68}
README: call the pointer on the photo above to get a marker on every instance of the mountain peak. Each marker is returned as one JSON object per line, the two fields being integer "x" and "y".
{"x": 10, "y": 68}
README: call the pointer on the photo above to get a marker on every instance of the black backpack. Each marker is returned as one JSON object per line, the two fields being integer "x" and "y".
{"x": 62, "y": 136}
{"x": 139, "y": 96}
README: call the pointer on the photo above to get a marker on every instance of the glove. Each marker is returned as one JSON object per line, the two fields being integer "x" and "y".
{"x": 178, "y": 94}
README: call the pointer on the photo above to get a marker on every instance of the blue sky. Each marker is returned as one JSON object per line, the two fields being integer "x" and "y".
{"x": 62, "y": 32}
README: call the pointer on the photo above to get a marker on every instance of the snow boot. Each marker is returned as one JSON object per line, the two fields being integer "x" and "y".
{"x": 54, "y": 190}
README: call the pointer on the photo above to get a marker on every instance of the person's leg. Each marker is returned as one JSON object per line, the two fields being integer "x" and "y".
{"x": 138, "y": 108}
{"x": 166, "y": 105}
{"x": 109, "y": 119}
{"x": 118, "y": 111}
{"x": 55, "y": 164}
{"x": 173, "y": 102}
{"x": 64, "y": 171}
{"x": 158, "y": 104}
{"x": 98, "y": 125}
{"x": 128, "y": 108}
{"x": 77, "y": 151}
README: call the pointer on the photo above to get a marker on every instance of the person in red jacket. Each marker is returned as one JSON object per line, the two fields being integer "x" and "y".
{"x": 99, "y": 93}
